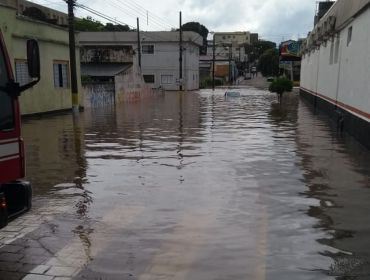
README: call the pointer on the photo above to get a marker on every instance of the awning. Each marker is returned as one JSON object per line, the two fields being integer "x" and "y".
{"x": 104, "y": 69}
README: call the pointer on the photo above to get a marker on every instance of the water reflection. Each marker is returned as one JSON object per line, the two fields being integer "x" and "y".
{"x": 337, "y": 174}
{"x": 267, "y": 189}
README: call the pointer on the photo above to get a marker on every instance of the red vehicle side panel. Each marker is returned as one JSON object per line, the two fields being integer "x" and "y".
{"x": 11, "y": 145}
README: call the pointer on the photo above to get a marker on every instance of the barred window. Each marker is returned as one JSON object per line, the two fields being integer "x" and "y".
{"x": 21, "y": 72}
{"x": 61, "y": 71}
{"x": 147, "y": 49}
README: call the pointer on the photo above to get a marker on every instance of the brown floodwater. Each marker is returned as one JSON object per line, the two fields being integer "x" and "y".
{"x": 198, "y": 186}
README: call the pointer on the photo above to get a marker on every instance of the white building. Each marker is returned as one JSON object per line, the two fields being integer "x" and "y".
{"x": 335, "y": 73}
{"x": 160, "y": 55}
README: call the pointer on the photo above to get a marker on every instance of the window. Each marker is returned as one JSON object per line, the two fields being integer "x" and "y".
{"x": 166, "y": 79}
{"x": 336, "y": 53}
{"x": 331, "y": 52}
{"x": 6, "y": 102}
{"x": 21, "y": 72}
{"x": 349, "y": 36}
{"x": 147, "y": 49}
{"x": 149, "y": 79}
{"x": 60, "y": 69}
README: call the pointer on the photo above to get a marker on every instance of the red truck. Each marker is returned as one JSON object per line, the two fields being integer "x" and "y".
{"x": 15, "y": 194}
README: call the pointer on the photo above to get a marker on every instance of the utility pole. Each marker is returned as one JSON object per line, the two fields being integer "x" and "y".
{"x": 180, "y": 58}
{"x": 213, "y": 62}
{"x": 72, "y": 54}
{"x": 138, "y": 42}
{"x": 230, "y": 55}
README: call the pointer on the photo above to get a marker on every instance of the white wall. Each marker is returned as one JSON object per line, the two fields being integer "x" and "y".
{"x": 165, "y": 61}
{"x": 348, "y": 80}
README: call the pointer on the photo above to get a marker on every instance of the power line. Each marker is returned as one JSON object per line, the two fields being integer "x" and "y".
{"x": 116, "y": 6}
{"x": 135, "y": 4}
{"x": 110, "y": 19}
{"x": 143, "y": 13}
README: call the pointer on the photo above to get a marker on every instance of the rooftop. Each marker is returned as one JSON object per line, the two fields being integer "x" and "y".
{"x": 86, "y": 38}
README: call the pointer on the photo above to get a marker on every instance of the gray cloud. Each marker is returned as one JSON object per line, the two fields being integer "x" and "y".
{"x": 272, "y": 19}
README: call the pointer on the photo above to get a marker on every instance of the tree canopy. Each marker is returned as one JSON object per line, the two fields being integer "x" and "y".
{"x": 268, "y": 63}
{"x": 256, "y": 50}
{"x": 201, "y": 30}
{"x": 89, "y": 24}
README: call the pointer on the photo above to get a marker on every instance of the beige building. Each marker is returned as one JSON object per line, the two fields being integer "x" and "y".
{"x": 53, "y": 16}
{"x": 231, "y": 44}
{"x": 53, "y": 92}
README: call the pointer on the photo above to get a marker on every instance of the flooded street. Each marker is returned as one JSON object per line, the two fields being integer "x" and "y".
{"x": 192, "y": 186}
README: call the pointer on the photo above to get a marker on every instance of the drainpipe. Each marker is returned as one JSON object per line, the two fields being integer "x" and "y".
{"x": 317, "y": 78}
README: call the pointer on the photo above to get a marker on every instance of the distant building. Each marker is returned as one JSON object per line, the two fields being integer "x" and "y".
{"x": 160, "y": 55}
{"x": 53, "y": 92}
{"x": 232, "y": 44}
{"x": 110, "y": 74}
{"x": 335, "y": 72}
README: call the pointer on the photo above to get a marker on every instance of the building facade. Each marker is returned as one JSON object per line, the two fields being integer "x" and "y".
{"x": 111, "y": 74}
{"x": 335, "y": 71}
{"x": 159, "y": 55}
{"x": 231, "y": 44}
{"x": 53, "y": 92}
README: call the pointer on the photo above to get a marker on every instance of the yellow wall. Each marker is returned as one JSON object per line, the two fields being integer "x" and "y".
{"x": 53, "y": 43}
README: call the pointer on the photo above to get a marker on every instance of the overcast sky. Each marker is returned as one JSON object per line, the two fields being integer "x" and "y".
{"x": 274, "y": 20}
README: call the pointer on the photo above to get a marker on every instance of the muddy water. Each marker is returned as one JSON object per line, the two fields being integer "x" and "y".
{"x": 196, "y": 186}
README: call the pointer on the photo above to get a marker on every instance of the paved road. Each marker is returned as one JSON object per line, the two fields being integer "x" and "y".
{"x": 192, "y": 186}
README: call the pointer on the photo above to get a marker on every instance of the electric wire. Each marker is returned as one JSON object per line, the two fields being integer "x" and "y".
{"x": 108, "y": 18}
{"x": 141, "y": 13}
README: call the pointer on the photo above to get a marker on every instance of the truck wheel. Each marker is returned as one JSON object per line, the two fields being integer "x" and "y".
{"x": 3, "y": 211}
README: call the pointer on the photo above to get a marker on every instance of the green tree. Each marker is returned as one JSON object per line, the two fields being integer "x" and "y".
{"x": 88, "y": 24}
{"x": 256, "y": 50}
{"x": 268, "y": 63}
{"x": 92, "y": 25}
{"x": 201, "y": 30}
{"x": 116, "y": 27}
{"x": 281, "y": 85}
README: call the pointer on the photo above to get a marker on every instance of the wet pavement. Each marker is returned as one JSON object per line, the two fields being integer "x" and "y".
{"x": 192, "y": 186}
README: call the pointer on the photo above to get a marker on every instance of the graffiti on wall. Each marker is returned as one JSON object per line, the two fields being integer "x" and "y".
{"x": 122, "y": 54}
{"x": 101, "y": 94}
{"x": 130, "y": 87}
